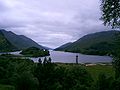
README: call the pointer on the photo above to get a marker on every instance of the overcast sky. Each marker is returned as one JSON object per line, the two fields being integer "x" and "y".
{"x": 51, "y": 22}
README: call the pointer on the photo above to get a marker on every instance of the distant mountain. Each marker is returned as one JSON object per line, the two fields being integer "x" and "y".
{"x": 20, "y": 41}
{"x": 63, "y": 46}
{"x": 47, "y": 48}
{"x": 5, "y": 45}
{"x": 100, "y": 43}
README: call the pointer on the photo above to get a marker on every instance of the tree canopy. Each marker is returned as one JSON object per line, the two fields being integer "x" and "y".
{"x": 111, "y": 13}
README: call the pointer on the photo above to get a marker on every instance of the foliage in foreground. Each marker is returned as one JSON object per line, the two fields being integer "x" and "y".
{"x": 24, "y": 74}
{"x": 6, "y": 87}
{"x": 111, "y": 12}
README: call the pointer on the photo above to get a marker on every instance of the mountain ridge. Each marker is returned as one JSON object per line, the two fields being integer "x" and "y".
{"x": 63, "y": 46}
{"x": 5, "y": 45}
{"x": 20, "y": 41}
{"x": 95, "y": 43}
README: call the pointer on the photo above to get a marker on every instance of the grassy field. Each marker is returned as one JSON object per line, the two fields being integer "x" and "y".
{"x": 97, "y": 69}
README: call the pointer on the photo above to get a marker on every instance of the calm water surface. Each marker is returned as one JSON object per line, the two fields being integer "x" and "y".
{"x": 67, "y": 57}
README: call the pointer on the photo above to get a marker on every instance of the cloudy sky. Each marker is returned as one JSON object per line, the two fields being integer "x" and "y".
{"x": 51, "y": 22}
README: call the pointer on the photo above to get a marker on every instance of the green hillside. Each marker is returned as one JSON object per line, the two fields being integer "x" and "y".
{"x": 63, "y": 46}
{"x": 100, "y": 43}
{"x": 5, "y": 45}
{"x": 20, "y": 41}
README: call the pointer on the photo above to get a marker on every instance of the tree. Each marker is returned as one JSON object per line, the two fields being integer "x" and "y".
{"x": 111, "y": 13}
{"x": 77, "y": 78}
{"x": 111, "y": 16}
{"x": 44, "y": 72}
{"x": 116, "y": 56}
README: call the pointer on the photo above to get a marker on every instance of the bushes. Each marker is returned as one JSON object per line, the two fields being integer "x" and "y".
{"x": 77, "y": 78}
{"x": 53, "y": 77}
{"x": 11, "y": 70}
{"x": 44, "y": 72}
{"x": 26, "y": 81}
{"x": 24, "y": 74}
{"x": 6, "y": 87}
{"x": 104, "y": 82}
{"x": 116, "y": 84}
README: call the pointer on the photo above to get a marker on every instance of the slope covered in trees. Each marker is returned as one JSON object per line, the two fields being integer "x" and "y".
{"x": 20, "y": 41}
{"x": 100, "y": 43}
{"x": 5, "y": 45}
{"x": 63, "y": 46}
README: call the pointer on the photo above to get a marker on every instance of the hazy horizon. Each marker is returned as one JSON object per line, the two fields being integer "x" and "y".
{"x": 51, "y": 23}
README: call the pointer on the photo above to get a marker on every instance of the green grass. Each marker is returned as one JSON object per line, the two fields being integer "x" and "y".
{"x": 97, "y": 69}
{"x": 6, "y": 87}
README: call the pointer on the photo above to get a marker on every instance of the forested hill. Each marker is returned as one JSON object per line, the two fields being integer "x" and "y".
{"x": 20, "y": 41}
{"x": 63, "y": 46}
{"x": 100, "y": 43}
{"x": 5, "y": 45}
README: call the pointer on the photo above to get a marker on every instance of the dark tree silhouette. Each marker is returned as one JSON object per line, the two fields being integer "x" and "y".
{"x": 111, "y": 12}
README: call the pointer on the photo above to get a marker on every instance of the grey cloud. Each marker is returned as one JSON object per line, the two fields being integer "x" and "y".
{"x": 3, "y": 7}
{"x": 51, "y": 22}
